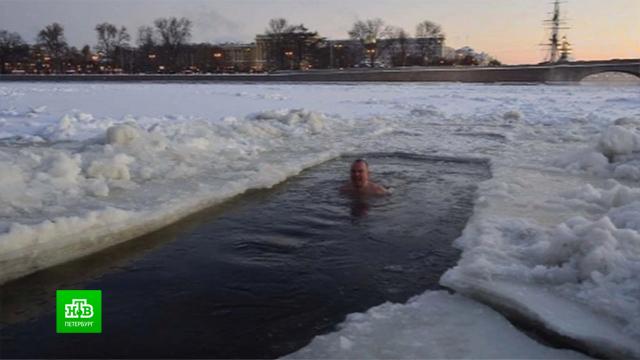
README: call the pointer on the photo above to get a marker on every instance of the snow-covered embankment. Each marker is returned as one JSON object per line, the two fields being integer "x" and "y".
{"x": 80, "y": 184}
{"x": 565, "y": 255}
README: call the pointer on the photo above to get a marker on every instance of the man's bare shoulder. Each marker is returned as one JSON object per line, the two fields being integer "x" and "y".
{"x": 376, "y": 189}
{"x": 370, "y": 189}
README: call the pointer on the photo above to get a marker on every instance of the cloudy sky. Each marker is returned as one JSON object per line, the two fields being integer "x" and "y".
{"x": 508, "y": 29}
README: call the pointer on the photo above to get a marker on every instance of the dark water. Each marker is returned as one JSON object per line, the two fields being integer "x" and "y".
{"x": 261, "y": 275}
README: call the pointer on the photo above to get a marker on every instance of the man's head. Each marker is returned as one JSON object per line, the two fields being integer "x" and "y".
{"x": 359, "y": 174}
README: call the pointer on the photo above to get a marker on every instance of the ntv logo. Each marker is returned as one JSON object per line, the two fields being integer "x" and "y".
{"x": 79, "y": 308}
{"x": 78, "y": 311}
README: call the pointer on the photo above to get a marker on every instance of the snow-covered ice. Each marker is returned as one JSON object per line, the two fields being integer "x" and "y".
{"x": 434, "y": 325}
{"x": 555, "y": 235}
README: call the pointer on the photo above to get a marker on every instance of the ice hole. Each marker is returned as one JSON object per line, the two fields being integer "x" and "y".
{"x": 262, "y": 274}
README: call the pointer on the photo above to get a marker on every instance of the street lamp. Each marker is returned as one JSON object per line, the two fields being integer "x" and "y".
{"x": 94, "y": 62}
{"x": 217, "y": 56}
{"x": 372, "y": 56}
{"x": 289, "y": 54}
{"x": 370, "y": 49}
{"x": 152, "y": 59}
{"x": 47, "y": 64}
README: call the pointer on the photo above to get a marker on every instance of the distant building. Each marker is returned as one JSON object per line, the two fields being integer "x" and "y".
{"x": 235, "y": 57}
{"x": 424, "y": 50}
{"x": 261, "y": 54}
{"x": 305, "y": 50}
{"x": 344, "y": 53}
{"x": 421, "y": 51}
{"x": 292, "y": 50}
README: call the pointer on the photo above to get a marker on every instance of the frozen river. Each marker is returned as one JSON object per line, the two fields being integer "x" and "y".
{"x": 553, "y": 241}
{"x": 262, "y": 275}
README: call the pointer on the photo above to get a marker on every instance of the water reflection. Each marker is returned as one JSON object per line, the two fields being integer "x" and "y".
{"x": 359, "y": 207}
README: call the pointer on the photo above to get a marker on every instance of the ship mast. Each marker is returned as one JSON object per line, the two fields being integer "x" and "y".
{"x": 565, "y": 50}
{"x": 555, "y": 24}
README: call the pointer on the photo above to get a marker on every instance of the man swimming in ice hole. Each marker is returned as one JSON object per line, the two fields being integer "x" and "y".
{"x": 360, "y": 183}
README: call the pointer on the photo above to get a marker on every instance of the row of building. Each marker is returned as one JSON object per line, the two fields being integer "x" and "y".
{"x": 296, "y": 50}
{"x": 306, "y": 51}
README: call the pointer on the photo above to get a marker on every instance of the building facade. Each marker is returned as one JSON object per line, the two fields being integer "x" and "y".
{"x": 302, "y": 51}
{"x": 385, "y": 52}
{"x": 232, "y": 57}
{"x": 293, "y": 50}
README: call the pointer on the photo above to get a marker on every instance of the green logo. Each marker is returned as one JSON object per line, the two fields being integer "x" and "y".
{"x": 78, "y": 311}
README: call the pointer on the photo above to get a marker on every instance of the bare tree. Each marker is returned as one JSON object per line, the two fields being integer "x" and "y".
{"x": 86, "y": 52}
{"x": 429, "y": 29}
{"x": 147, "y": 54}
{"x": 112, "y": 41}
{"x": 427, "y": 34}
{"x": 52, "y": 39}
{"x": 289, "y": 45}
{"x": 400, "y": 37}
{"x": 146, "y": 38}
{"x": 110, "y": 38}
{"x": 86, "y": 57}
{"x": 279, "y": 26}
{"x": 173, "y": 33}
{"x": 11, "y": 46}
{"x": 276, "y": 31}
{"x": 369, "y": 32}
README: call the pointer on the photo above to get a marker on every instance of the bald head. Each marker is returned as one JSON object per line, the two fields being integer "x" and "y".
{"x": 359, "y": 174}
{"x": 360, "y": 161}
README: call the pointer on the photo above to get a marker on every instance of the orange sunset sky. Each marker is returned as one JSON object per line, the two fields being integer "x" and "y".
{"x": 510, "y": 30}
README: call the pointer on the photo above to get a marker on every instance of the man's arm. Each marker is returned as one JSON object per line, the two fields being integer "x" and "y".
{"x": 378, "y": 190}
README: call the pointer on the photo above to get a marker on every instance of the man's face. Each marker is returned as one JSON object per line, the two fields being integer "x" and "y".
{"x": 359, "y": 174}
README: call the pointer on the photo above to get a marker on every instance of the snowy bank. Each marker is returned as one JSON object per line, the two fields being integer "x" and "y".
{"x": 434, "y": 325}
{"x": 562, "y": 249}
{"x": 87, "y": 183}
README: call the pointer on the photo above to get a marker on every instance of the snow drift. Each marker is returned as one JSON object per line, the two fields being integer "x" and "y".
{"x": 103, "y": 186}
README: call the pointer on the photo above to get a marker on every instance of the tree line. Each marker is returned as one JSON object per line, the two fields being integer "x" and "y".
{"x": 164, "y": 46}
{"x": 162, "y": 43}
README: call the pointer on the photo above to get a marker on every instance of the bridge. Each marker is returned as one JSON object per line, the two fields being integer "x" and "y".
{"x": 543, "y": 73}
{"x": 576, "y": 71}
